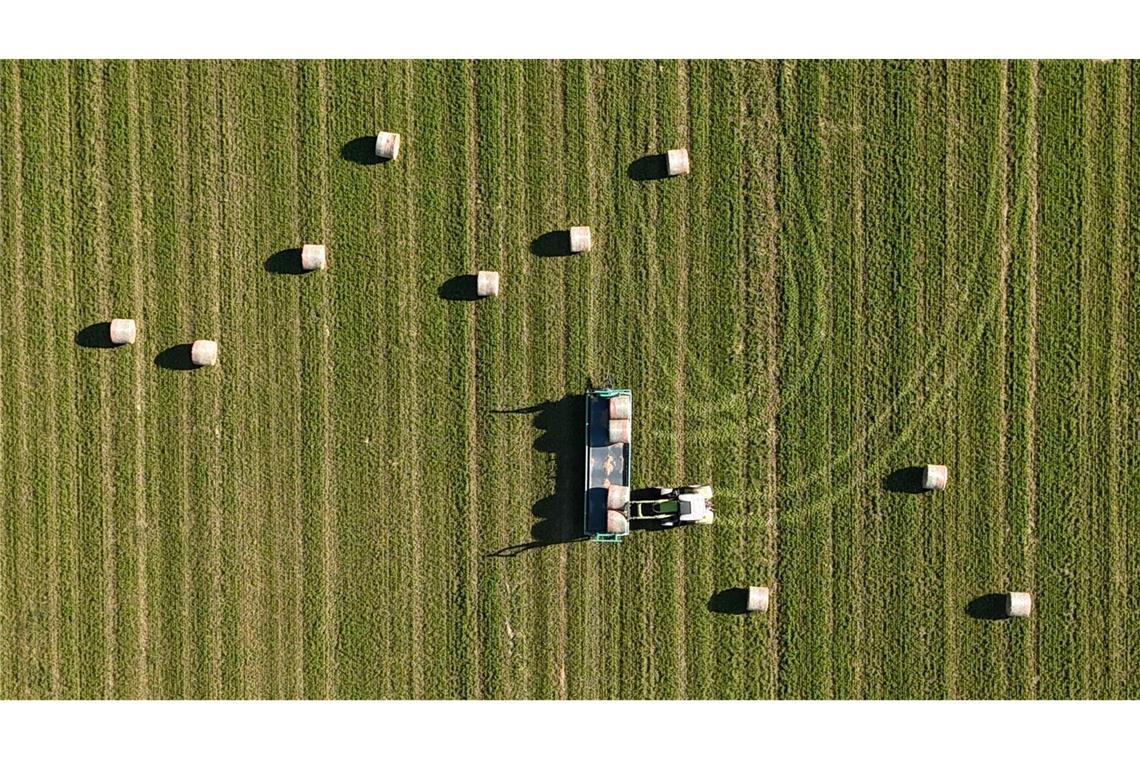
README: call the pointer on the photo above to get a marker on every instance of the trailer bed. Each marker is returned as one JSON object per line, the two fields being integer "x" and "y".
{"x": 607, "y": 464}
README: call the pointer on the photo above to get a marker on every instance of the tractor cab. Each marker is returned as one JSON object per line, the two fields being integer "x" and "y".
{"x": 695, "y": 508}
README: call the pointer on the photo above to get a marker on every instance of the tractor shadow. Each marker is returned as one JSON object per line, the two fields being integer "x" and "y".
{"x": 561, "y": 430}
{"x": 459, "y": 288}
{"x": 176, "y": 358}
{"x": 362, "y": 150}
{"x": 904, "y": 480}
{"x": 649, "y": 168}
{"x": 730, "y": 601}
{"x": 97, "y": 335}
{"x": 287, "y": 261}
{"x": 551, "y": 244}
{"x": 987, "y": 607}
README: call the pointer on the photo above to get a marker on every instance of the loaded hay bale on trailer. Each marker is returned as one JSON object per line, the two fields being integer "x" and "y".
{"x": 619, "y": 431}
{"x": 204, "y": 353}
{"x": 123, "y": 331}
{"x": 617, "y": 497}
{"x": 388, "y": 145}
{"x": 621, "y": 407}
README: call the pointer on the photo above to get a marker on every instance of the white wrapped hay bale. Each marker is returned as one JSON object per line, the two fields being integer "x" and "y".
{"x": 123, "y": 331}
{"x": 617, "y": 497}
{"x": 580, "y": 240}
{"x": 388, "y": 145}
{"x": 487, "y": 284}
{"x": 677, "y": 161}
{"x": 621, "y": 407}
{"x": 204, "y": 353}
{"x": 934, "y": 477}
{"x": 313, "y": 257}
{"x": 619, "y": 431}
{"x": 1018, "y": 604}
{"x": 616, "y": 522}
{"x": 757, "y": 599}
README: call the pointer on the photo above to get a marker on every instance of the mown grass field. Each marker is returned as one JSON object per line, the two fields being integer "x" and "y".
{"x": 872, "y": 266}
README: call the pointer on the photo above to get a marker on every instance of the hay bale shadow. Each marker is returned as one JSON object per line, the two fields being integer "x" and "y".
{"x": 551, "y": 244}
{"x": 987, "y": 607}
{"x": 287, "y": 261}
{"x": 649, "y": 168}
{"x": 904, "y": 480}
{"x": 96, "y": 335}
{"x": 730, "y": 601}
{"x": 362, "y": 150}
{"x": 176, "y": 358}
{"x": 459, "y": 288}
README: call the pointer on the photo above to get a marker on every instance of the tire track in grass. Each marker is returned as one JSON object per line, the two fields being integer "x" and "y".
{"x": 1032, "y": 217}
{"x": 1118, "y": 658}
{"x": 770, "y": 126}
{"x": 506, "y": 627}
{"x": 1060, "y": 527}
{"x": 101, "y": 97}
{"x": 1001, "y": 327}
{"x": 1097, "y": 213}
{"x": 469, "y": 626}
{"x": 233, "y": 287}
{"x": 84, "y": 176}
{"x": 328, "y": 478}
{"x": 218, "y": 244}
{"x": 12, "y": 172}
{"x": 578, "y": 673}
{"x": 140, "y": 310}
{"x": 409, "y": 397}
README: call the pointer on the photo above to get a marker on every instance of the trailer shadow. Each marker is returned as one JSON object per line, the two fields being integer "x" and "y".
{"x": 561, "y": 427}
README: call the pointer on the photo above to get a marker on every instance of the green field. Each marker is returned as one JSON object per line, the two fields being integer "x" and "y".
{"x": 377, "y": 493}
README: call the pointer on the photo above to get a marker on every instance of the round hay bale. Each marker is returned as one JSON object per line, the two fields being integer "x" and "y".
{"x": 580, "y": 240}
{"x": 204, "y": 353}
{"x": 617, "y": 497}
{"x": 678, "y": 161}
{"x": 388, "y": 145}
{"x": 123, "y": 331}
{"x": 757, "y": 599}
{"x": 313, "y": 257}
{"x": 934, "y": 477}
{"x": 1018, "y": 604}
{"x": 487, "y": 284}
{"x": 619, "y": 431}
{"x": 621, "y": 407}
{"x": 616, "y": 523}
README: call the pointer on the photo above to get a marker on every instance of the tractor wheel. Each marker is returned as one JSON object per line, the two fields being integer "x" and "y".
{"x": 663, "y": 491}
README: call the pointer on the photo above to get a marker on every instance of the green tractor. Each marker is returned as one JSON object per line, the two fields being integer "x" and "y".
{"x": 670, "y": 507}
